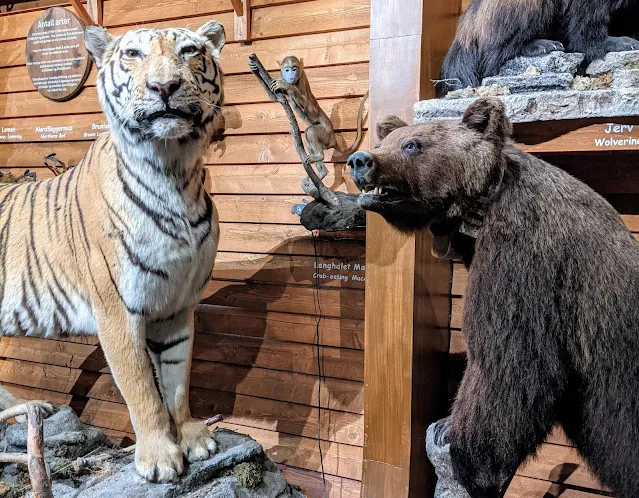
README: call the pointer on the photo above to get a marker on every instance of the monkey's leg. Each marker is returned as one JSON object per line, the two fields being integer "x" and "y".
{"x": 315, "y": 136}
{"x": 502, "y": 413}
{"x": 588, "y": 31}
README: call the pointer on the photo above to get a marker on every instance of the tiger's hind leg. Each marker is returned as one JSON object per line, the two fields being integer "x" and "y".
{"x": 170, "y": 344}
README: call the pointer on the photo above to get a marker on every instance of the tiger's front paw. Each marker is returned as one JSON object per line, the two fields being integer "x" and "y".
{"x": 158, "y": 458}
{"x": 196, "y": 441}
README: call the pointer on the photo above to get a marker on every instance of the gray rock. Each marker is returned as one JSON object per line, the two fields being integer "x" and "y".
{"x": 543, "y": 106}
{"x": 625, "y": 78}
{"x": 528, "y": 84}
{"x": 554, "y": 62}
{"x": 614, "y": 61}
{"x": 439, "y": 456}
{"x": 240, "y": 469}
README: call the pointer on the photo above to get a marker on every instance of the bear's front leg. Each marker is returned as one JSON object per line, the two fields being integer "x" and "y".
{"x": 501, "y": 414}
{"x": 122, "y": 335}
{"x": 170, "y": 344}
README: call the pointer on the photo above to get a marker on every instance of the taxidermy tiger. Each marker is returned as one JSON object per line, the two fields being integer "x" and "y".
{"x": 123, "y": 244}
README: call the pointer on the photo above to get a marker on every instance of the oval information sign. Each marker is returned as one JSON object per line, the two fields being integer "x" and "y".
{"x": 57, "y": 61}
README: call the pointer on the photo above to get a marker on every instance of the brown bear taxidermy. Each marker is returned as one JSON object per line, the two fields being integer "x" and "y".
{"x": 551, "y": 312}
{"x": 491, "y": 32}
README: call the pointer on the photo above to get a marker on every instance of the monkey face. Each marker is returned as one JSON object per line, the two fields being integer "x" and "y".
{"x": 290, "y": 74}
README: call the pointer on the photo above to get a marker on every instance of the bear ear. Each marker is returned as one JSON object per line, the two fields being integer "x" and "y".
{"x": 488, "y": 117}
{"x": 387, "y": 125}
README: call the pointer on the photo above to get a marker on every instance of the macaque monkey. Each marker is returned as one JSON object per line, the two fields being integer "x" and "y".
{"x": 320, "y": 134}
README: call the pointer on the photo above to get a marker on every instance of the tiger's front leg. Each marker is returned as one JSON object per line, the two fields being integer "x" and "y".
{"x": 122, "y": 335}
{"x": 170, "y": 345}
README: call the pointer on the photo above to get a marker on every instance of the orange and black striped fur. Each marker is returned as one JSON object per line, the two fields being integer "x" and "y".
{"x": 492, "y": 32}
{"x": 123, "y": 244}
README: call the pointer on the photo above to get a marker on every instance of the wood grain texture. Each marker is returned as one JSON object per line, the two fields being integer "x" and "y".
{"x": 306, "y": 270}
{"x": 318, "y": 16}
{"x": 287, "y": 239}
{"x": 289, "y": 327}
{"x": 344, "y": 303}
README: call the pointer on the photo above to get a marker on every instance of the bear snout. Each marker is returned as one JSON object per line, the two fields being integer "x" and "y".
{"x": 360, "y": 164}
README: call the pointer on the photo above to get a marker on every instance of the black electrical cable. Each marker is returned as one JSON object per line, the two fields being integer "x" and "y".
{"x": 318, "y": 302}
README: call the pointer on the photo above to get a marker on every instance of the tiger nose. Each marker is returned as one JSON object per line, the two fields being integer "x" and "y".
{"x": 166, "y": 89}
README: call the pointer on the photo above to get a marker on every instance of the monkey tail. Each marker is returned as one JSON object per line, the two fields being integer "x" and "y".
{"x": 360, "y": 124}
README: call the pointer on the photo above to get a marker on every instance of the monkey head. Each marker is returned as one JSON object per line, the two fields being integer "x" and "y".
{"x": 291, "y": 68}
{"x": 433, "y": 172}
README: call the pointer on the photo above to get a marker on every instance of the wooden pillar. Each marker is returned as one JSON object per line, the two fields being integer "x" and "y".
{"x": 407, "y": 290}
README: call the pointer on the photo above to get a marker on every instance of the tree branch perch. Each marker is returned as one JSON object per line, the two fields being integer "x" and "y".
{"x": 324, "y": 193}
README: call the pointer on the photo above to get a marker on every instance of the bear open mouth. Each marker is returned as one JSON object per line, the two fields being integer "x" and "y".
{"x": 382, "y": 191}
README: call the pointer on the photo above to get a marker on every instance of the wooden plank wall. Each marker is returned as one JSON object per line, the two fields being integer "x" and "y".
{"x": 255, "y": 359}
{"x": 558, "y": 468}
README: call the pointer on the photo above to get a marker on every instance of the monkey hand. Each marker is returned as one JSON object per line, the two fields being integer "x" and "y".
{"x": 253, "y": 66}
{"x": 279, "y": 86}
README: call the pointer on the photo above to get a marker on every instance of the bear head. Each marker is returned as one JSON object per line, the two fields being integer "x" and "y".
{"x": 433, "y": 172}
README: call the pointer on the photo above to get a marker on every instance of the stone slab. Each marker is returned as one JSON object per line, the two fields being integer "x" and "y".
{"x": 614, "y": 61}
{"x": 554, "y": 62}
{"x": 528, "y": 84}
{"x": 542, "y": 106}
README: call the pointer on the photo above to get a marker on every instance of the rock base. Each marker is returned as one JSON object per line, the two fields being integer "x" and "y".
{"x": 239, "y": 469}
{"x": 548, "y": 88}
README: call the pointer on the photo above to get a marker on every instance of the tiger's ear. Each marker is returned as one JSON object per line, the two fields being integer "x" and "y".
{"x": 97, "y": 40}
{"x": 214, "y": 32}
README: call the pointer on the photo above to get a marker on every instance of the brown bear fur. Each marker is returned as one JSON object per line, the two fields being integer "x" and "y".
{"x": 492, "y": 32}
{"x": 551, "y": 311}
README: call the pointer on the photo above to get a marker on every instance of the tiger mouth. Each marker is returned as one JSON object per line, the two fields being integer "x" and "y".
{"x": 169, "y": 113}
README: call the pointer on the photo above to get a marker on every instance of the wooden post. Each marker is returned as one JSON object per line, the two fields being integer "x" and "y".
{"x": 242, "y": 16}
{"x": 407, "y": 290}
{"x": 95, "y": 10}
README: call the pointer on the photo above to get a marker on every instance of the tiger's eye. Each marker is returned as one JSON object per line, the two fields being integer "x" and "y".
{"x": 189, "y": 50}
{"x": 132, "y": 53}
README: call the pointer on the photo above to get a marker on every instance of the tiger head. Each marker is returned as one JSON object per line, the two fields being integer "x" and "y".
{"x": 159, "y": 83}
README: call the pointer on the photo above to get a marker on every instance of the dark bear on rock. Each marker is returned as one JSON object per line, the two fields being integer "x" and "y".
{"x": 492, "y": 32}
{"x": 551, "y": 314}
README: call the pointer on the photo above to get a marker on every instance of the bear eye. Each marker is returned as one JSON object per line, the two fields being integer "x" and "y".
{"x": 189, "y": 50}
{"x": 412, "y": 147}
{"x": 132, "y": 53}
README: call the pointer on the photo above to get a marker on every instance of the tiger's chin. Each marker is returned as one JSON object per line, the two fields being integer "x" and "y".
{"x": 170, "y": 128}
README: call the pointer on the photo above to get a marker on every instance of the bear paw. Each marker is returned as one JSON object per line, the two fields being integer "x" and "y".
{"x": 541, "y": 47}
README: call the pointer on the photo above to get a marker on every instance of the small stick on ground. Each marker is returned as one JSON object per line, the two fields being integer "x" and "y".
{"x": 324, "y": 193}
{"x": 40, "y": 482}
{"x": 14, "y": 458}
{"x": 213, "y": 420}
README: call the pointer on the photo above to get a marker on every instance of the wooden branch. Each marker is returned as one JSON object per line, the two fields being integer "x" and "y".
{"x": 324, "y": 193}
{"x": 82, "y": 13}
{"x": 40, "y": 482}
